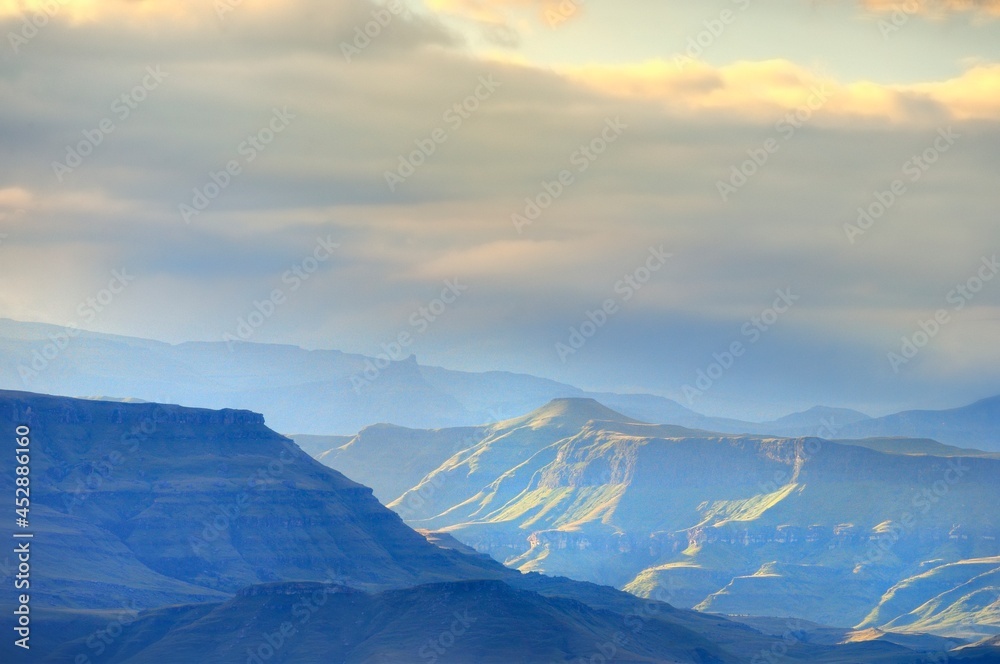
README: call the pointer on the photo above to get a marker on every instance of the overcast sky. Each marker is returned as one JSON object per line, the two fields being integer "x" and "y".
{"x": 739, "y": 137}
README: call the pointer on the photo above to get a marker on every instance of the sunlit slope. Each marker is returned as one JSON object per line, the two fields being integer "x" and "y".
{"x": 392, "y": 459}
{"x": 960, "y": 598}
{"x": 491, "y": 473}
{"x": 576, "y": 489}
{"x": 605, "y": 475}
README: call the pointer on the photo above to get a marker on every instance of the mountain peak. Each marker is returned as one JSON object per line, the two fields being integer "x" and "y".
{"x": 820, "y": 416}
{"x": 989, "y": 403}
{"x": 572, "y": 411}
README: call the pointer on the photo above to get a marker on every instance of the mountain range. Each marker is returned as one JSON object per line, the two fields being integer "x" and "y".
{"x": 897, "y": 534}
{"x": 327, "y": 392}
{"x": 170, "y": 535}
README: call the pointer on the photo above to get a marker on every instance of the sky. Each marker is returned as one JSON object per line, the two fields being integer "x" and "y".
{"x": 750, "y": 207}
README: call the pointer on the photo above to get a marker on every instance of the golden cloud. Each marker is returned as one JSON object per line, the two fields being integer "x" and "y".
{"x": 83, "y": 11}
{"x": 486, "y": 10}
{"x": 12, "y": 198}
{"x": 91, "y": 10}
{"x": 760, "y": 90}
{"x": 499, "y": 12}
{"x": 934, "y": 7}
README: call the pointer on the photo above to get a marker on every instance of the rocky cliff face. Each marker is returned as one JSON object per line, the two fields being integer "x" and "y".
{"x": 31, "y": 409}
{"x": 167, "y": 504}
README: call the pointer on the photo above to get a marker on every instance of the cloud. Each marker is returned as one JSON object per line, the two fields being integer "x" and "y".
{"x": 502, "y": 12}
{"x": 763, "y": 89}
{"x": 90, "y": 11}
{"x": 12, "y": 198}
{"x": 973, "y": 95}
{"x": 136, "y": 12}
{"x": 936, "y": 8}
{"x": 524, "y": 263}
{"x": 687, "y": 128}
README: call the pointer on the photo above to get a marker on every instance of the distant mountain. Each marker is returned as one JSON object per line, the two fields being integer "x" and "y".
{"x": 327, "y": 392}
{"x": 316, "y": 446}
{"x": 413, "y": 453}
{"x": 320, "y": 392}
{"x": 410, "y": 453}
{"x": 976, "y": 425}
{"x": 170, "y": 535}
{"x": 744, "y": 524}
{"x": 811, "y": 421}
{"x": 900, "y": 445}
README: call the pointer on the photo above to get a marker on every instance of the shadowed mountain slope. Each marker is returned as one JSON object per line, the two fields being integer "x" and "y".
{"x": 190, "y": 503}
